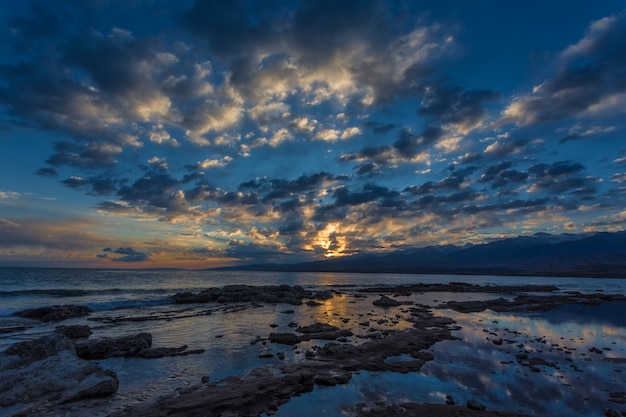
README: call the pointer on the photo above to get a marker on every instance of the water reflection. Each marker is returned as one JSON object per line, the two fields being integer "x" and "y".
{"x": 547, "y": 364}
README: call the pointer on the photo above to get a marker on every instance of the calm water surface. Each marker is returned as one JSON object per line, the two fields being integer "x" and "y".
{"x": 473, "y": 367}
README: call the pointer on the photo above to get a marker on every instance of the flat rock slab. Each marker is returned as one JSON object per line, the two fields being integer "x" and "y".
{"x": 47, "y": 369}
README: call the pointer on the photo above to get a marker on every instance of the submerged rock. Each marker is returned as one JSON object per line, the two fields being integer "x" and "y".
{"x": 47, "y": 369}
{"x": 55, "y": 313}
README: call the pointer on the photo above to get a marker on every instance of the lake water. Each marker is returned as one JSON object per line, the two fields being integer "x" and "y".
{"x": 131, "y": 301}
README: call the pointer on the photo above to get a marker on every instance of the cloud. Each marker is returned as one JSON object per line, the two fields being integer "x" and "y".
{"x": 97, "y": 185}
{"x": 452, "y": 105}
{"x": 130, "y": 255}
{"x": 589, "y": 80}
{"x": 409, "y": 147}
{"x": 47, "y": 172}
{"x": 505, "y": 147}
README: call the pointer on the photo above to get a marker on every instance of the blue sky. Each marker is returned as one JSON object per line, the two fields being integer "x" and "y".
{"x": 197, "y": 134}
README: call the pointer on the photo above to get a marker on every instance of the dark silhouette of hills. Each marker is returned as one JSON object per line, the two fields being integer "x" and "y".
{"x": 601, "y": 254}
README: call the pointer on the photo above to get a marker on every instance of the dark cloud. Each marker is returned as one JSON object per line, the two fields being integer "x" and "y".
{"x": 556, "y": 169}
{"x": 591, "y": 73}
{"x": 84, "y": 155}
{"x": 464, "y": 109}
{"x": 494, "y": 170}
{"x": 506, "y": 147}
{"x": 520, "y": 205}
{"x": 509, "y": 176}
{"x": 370, "y": 192}
{"x": 130, "y": 255}
{"x": 153, "y": 188}
{"x": 368, "y": 168}
{"x": 406, "y": 147}
{"x": 47, "y": 172}
{"x": 98, "y": 185}
{"x": 379, "y": 128}
{"x": 452, "y": 182}
{"x": 234, "y": 28}
{"x": 280, "y": 188}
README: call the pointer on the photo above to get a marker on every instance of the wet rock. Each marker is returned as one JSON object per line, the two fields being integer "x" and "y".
{"x": 324, "y": 295}
{"x": 317, "y": 328}
{"x": 110, "y": 347}
{"x": 25, "y": 353}
{"x": 284, "y": 338}
{"x": 385, "y": 301}
{"x": 312, "y": 303}
{"x": 321, "y": 331}
{"x": 160, "y": 352}
{"x": 245, "y": 293}
{"x": 595, "y": 350}
{"x": 55, "y": 313}
{"x": 75, "y": 331}
{"x": 527, "y": 302}
{"x": 47, "y": 369}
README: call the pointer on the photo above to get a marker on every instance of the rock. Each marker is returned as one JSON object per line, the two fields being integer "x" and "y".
{"x": 317, "y": 328}
{"x": 55, "y": 313}
{"x": 245, "y": 293}
{"x": 160, "y": 352}
{"x": 475, "y": 405}
{"x": 385, "y": 301}
{"x": 108, "y": 347}
{"x": 284, "y": 338}
{"x": 312, "y": 303}
{"x": 48, "y": 370}
{"x": 205, "y": 379}
{"x": 74, "y": 332}
{"x": 324, "y": 295}
{"x": 24, "y": 353}
{"x": 266, "y": 355}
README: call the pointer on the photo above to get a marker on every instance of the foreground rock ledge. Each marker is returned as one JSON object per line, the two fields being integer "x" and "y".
{"x": 49, "y": 369}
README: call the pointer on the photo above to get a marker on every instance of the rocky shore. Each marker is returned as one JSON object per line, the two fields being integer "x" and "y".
{"x": 59, "y": 368}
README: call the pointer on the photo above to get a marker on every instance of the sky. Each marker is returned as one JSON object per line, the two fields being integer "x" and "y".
{"x": 199, "y": 134}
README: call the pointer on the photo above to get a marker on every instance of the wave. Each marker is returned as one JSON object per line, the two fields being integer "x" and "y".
{"x": 136, "y": 303}
{"x": 67, "y": 292}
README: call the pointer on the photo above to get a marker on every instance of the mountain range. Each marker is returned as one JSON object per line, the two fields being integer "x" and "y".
{"x": 601, "y": 254}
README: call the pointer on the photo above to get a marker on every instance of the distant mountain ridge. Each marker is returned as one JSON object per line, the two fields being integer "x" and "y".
{"x": 601, "y": 254}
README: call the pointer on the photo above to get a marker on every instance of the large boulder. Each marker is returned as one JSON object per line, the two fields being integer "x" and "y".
{"x": 47, "y": 369}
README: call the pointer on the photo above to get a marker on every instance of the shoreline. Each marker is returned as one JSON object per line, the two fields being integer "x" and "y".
{"x": 265, "y": 389}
